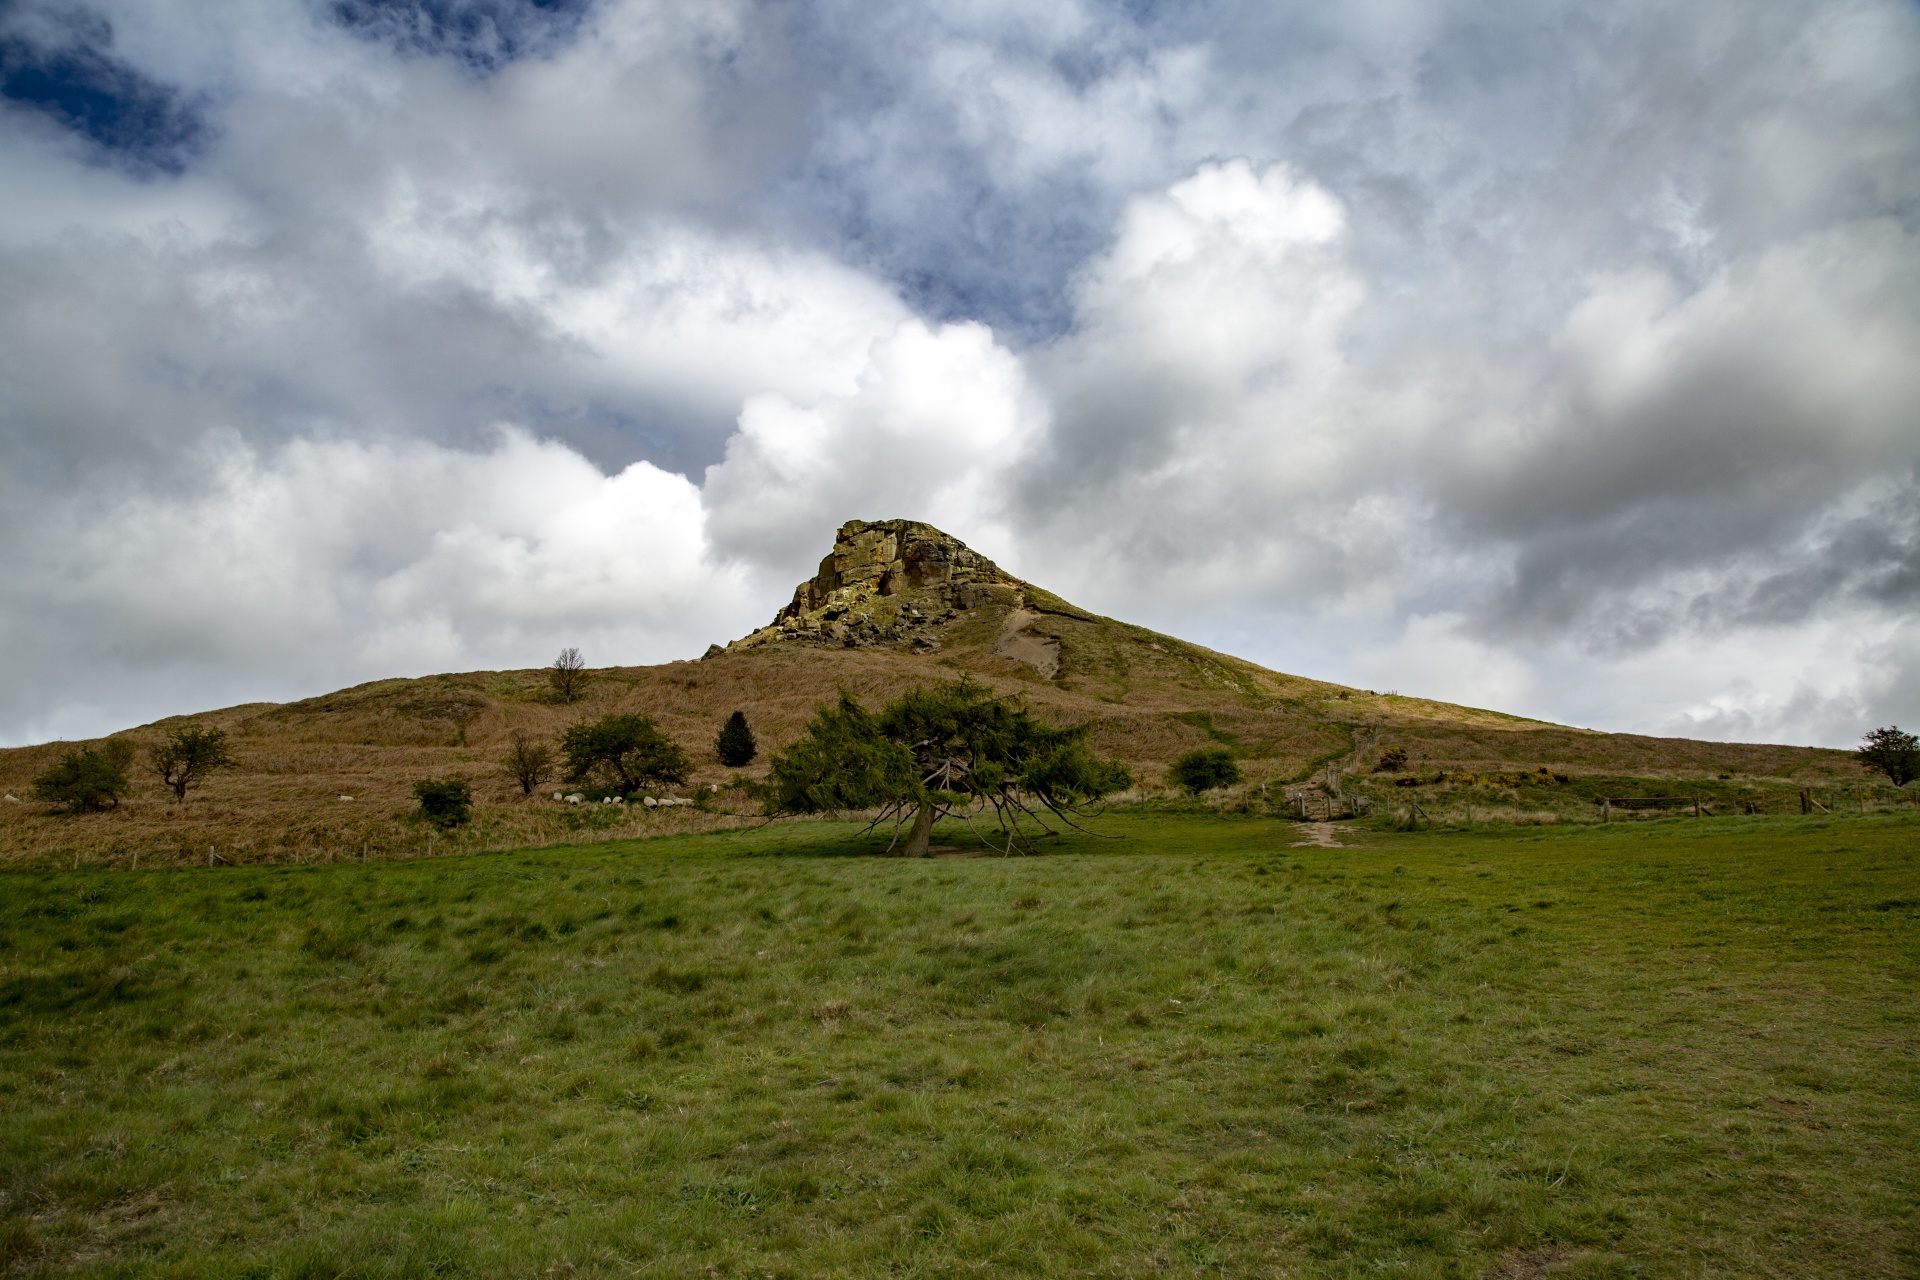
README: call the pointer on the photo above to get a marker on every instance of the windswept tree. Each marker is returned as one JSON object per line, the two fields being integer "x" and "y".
{"x": 943, "y": 751}
{"x": 1891, "y": 752}
{"x": 626, "y": 753}
{"x": 735, "y": 745}
{"x": 529, "y": 761}
{"x": 88, "y": 779}
{"x": 187, "y": 756}
{"x": 568, "y": 675}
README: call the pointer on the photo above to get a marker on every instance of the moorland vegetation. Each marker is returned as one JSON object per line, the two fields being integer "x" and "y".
{"x": 896, "y": 606}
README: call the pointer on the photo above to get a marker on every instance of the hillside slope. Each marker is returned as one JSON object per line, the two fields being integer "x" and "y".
{"x": 896, "y": 603}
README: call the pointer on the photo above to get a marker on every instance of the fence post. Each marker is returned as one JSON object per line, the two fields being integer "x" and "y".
{"x": 1606, "y": 809}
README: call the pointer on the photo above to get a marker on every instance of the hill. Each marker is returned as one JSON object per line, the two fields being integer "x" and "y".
{"x": 894, "y": 604}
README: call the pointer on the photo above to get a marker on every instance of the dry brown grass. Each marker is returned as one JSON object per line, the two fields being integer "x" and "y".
{"x": 1150, "y": 698}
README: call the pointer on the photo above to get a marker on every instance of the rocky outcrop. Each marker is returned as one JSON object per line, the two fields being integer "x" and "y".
{"x": 887, "y": 558}
{"x": 889, "y": 582}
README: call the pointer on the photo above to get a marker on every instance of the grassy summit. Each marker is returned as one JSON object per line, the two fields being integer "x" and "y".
{"x": 1671, "y": 1049}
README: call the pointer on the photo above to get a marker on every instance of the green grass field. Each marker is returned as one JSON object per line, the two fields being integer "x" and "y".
{"x": 1672, "y": 1048}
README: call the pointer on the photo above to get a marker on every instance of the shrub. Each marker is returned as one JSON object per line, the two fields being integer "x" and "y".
{"x": 445, "y": 802}
{"x": 187, "y": 756}
{"x": 1205, "y": 768}
{"x": 1392, "y": 760}
{"x": 87, "y": 779}
{"x": 627, "y": 751}
{"x": 528, "y": 762}
{"x": 735, "y": 745}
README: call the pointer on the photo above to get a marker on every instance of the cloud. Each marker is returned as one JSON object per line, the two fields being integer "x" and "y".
{"x": 1545, "y": 362}
{"x": 322, "y": 563}
{"x": 940, "y": 421}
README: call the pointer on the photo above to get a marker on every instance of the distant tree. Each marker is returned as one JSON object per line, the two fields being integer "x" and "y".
{"x": 445, "y": 802}
{"x": 568, "y": 675}
{"x": 941, "y": 751}
{"x": 1206, "y": 768}
{"x": 735, "y": 745}
{"x": 1891, "y": 752}
{"x": 187, "y": 756}
{"x": 88, "y": 779}
{"x": 529, "y": 762}
{"x": 1392, "y": 760}
{"x": 626, "y": 752}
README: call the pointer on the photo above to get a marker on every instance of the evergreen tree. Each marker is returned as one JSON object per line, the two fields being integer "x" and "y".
{"x": 735, "y": 745}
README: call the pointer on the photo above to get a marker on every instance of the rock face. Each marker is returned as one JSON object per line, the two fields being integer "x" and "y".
{"x": 889, "y": 582}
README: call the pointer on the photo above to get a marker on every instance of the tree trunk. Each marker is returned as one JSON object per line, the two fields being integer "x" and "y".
{"x": 922, "y": 831}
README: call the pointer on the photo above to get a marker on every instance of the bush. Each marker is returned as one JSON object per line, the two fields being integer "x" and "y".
{"x": 445, "y": 802}
{"x": 628, "y": 752}
{"x": 1204, "y": 769}
{"x": 735, "y": 745}
{"x": 1392, "y": 760}
{"x": 528, "y": 762}
{"x": 87, "y": 779}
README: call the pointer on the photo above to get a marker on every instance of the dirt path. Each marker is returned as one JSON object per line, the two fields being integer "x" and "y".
{"x": 1320, "y": 835}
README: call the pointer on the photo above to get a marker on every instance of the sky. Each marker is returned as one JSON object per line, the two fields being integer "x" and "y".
{"x": 1553, "y": 358}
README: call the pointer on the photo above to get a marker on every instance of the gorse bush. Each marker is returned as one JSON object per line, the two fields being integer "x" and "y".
{"x": 1205, "y": 769}
{"x": 735, "y": 745}
{"x": 91, "y": 778}
{"x": 445, "y": 802}
{"x": 1392, "y": 760}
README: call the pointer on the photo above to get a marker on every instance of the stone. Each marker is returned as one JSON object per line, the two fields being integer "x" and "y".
{"x": 884, "y": 558}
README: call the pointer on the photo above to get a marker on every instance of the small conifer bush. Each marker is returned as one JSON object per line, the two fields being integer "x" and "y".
{"x": 735, "y": 745}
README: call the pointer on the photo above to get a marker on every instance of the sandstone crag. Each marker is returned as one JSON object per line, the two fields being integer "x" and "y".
{"x": 893, "y": 583}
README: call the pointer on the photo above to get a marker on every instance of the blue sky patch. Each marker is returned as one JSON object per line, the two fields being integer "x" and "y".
{"x": 132, "y": 119}
{"x": 484, "y": 35}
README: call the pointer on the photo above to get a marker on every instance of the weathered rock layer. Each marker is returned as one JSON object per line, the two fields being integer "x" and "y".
{"x": 893, "y": 583}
